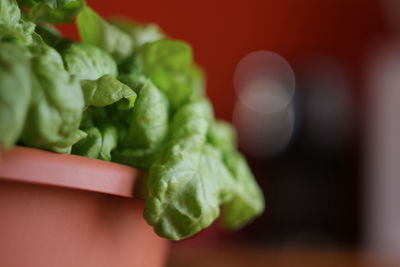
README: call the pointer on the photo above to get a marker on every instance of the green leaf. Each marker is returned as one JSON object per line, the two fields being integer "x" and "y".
{"x": 56, "y": 106}
{"x": 140, "y": 33}
{"x": 130, "y": 66}
{"x": 192, "y": 119}
{"x": 248, "y": 201}
{"x": 168, "y": 63}
{"x": 196, "y": 81}
{"x": 15, "y": 92}
{"x": 223, "y": 136}
{"x": 186, "y": 186}
{"x": 164, "y": 54}
{"x": 12, "y": 25}
{"x": 178, "y": 86}
{"x": 91, "y": 145}
{"x": 148, "y": 119}
{"x": 96, "y": 31}
{"x": 9, "y": 13}
{"x": 53, "y": 11}
{"x": 138, "y": 158}
{"x": 188, "y": 180}
{"x": 50, "y": 35}
{"x": 109, "y": 141}
{"x": 88, "y": 62}
{"x": 101, "y": 140}
{"x": 105, "y": 91}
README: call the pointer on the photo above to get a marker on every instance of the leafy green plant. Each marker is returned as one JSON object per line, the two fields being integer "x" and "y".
{"x": 126, "y": 93}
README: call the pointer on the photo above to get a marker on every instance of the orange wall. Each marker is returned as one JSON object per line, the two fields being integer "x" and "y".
{"x": 223, "y": 31}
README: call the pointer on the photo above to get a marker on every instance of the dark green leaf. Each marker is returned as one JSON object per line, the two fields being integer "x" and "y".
{"x": 91, "y": 145}
{"x": 50, "y": 35}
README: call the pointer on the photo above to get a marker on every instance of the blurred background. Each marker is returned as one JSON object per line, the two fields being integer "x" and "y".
{"x": 313, "y": 88}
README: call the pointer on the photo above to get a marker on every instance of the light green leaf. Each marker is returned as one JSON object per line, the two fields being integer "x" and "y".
{"x": 179, "y": 86}
{"x": 168, "y": 63}
{"x": 53, "y": 11}
{"x": 109, "y": 141}
{"x": 9, "y": 13}
{"x": 148, "y": 119}
{"x": 56, "y": 106}
{"x": 248, "y": 201}
{"x": 188, "y": 180}
{"x": 192, "y": 119}
{"x": 164, "y": 54}
{"x": 105, "y": 91}
{"x": 222, "y": 135}
{"x": 186, "y": 186}
{"x": 196, "y": 80}
{"x": 12, "y": 25}
{"x": 140, "y": 33}
{"x": 88, "y": 62}
{"x": 15, "y": 92}
{"x": 96, "y": 31}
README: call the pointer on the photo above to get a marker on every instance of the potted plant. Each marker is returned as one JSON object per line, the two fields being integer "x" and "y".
{"x": 125, "y": 93}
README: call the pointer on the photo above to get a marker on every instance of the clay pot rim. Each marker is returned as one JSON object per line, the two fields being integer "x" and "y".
{"x": 31, "y": 165}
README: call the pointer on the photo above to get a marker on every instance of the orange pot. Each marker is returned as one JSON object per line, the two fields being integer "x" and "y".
{"x": 60, "y": 210}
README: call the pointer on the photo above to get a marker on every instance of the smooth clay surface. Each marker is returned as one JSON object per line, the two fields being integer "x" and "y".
{"x": 50, "y": 226}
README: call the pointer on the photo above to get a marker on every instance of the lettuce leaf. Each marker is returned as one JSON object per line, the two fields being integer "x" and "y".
{"x": 164, "y": 54}
{"x": 12, "y": 25}
{"x": 98, "y": 144}
{"x": 96, "y": 31}
{"x": 105, "y": 91}
{"x": 50, "y": 35}
{"x": 15, "y": 92}
{"x": 88, "y": 62}
{"x": 223, "y": 136}
{"x": 196, "y": 172}
{"x": 186, "y": 186}
{"x": 91, "y": 145}
{"x": 188, "y": 181}
{"x": 140, "y": 33}
{"x": 169, "y": 65}
{"x": 148, "y": 121}
{"x": 56, "y": 105}
{"x": 135, "y": 157}
{"x": 247, "y": 200}
{"x": 53, "y": 11}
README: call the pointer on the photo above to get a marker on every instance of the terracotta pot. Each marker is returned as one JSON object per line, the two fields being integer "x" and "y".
{"x": 61, "y": 210}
